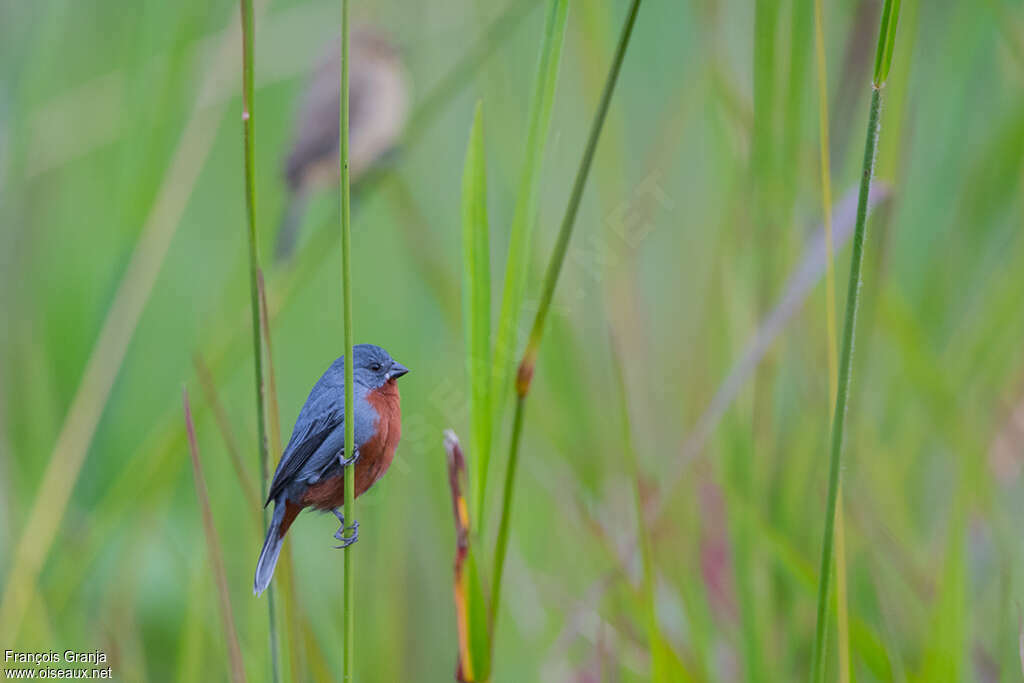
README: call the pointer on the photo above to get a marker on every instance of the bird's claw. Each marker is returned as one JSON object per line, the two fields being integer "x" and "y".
{"x": 346, "y": 541}
{"x": 345, "y": 462}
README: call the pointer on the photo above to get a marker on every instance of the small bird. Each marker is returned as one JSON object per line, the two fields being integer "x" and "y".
{"x": 312, "y": 467}
{"x": 378, "y": 104}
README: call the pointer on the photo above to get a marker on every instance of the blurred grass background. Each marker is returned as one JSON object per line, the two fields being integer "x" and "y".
{"x": 107, "y": 109}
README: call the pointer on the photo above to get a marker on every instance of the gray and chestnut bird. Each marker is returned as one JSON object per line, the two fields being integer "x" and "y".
{"x": 314, "y": 464}
{"x": 378, "y": 103}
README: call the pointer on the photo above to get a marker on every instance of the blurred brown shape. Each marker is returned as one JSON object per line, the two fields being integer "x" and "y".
{"x": 456, "y": 478}
{"x": 378, "y": 107}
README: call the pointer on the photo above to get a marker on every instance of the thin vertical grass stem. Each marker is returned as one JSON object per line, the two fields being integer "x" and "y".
{"x": 843, "y": 386}
{"x": 248, "y": 132}
{"x": 501, "y": 545}
{"x": 348, "y": 628}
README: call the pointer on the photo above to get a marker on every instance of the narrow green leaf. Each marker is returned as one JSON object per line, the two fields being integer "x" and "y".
{"x": 477, "y": 620}
{"x": 476, "y": 300}
{"x": 525, "y": 215}
{"x": 886, "y": 41}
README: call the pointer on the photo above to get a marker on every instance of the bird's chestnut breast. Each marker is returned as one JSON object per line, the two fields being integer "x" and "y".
{"x": 375, "y": 455}
{"x": 380, "y": 448}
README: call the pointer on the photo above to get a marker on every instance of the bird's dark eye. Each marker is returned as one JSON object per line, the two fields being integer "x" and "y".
{"x": 375, "y": 367}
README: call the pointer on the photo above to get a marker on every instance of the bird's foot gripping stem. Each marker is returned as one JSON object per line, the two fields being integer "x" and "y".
{"x": 345, "y": 462}
{"x": 346, "y": 540}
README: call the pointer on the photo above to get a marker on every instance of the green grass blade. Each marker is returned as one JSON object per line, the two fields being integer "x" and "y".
{"x": 569, "y": 220}
{"x": 526, "y": 365}
{"x": 476, "y": 301}
{"x": 524, "y": 219}
{"x": 886, "y": 41}
{"x": 845, "y": 371}
{"x": 886, "y": 38}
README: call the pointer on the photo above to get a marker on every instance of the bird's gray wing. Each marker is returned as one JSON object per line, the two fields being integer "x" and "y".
{"x": 304, "y": 443}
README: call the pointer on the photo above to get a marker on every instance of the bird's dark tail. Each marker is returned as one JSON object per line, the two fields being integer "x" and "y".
{"x": 271, "y": 548}
{"x": 288, "y": 233}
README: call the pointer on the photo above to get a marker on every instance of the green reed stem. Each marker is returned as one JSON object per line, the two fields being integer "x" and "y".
{"x": 883, "y": 60}
{"x": 254, "y": 276}
{"x": 349, "y": 625}
{"x": 526, "y": 365}
{"x": 501, "y": 546}
{"x": 842, "y": 392}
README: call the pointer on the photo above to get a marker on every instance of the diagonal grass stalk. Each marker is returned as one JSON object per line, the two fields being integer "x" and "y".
{"x": 529, "y": 359}
{"x": 209, "y": 388}
{"x": 349, "y": 623}
{"x": 523, "y": 221}
{"x": 249, "y": 133}
{"x": 883, "y": 61}
{"x": 213, "y": 547}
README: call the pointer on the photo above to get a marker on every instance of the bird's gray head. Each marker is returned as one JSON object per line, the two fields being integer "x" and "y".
{"x": 373, "y": 366}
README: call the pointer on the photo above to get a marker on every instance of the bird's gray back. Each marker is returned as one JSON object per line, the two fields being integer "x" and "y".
{"x": 318, "y": 438}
